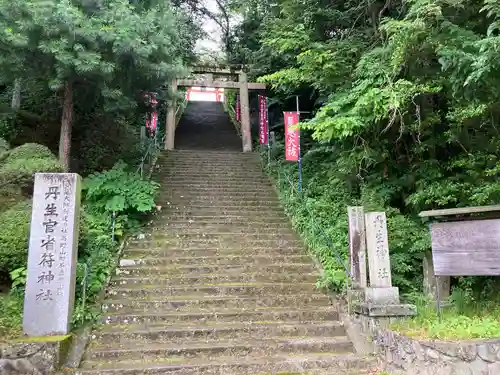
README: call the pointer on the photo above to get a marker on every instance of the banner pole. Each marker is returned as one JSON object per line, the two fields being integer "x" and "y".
{"x": 268, "y": 135}
{"x": 299, "y": 186}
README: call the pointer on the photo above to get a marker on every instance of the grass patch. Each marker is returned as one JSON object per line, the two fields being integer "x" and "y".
{"x": 10, "y": 316}
{"x": 458, "y": 321}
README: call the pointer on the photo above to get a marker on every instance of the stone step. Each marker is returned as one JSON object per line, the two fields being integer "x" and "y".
{"x": 205, "y": 155}
{"x": 215, "y": 260}
{"x": 179, "y": 269}
{"x": 203, "y": 189}
{"x": 172, "y": 317}
{"x": 215, "y": 201}
{"x": 198, "y": 164}
{"x": 273, "y": 364}
{"x": 188, "y": 196}
{"x": 218, "y": 230}
{"x": 130, "y": 252}
{"x": 216, "y": 225}
{"x": 169, "y": 205}
{"x": 222, "y": 171}
{"x": 194, "y": 196}
{"x": 209, "y": 180}
{"x": 210, "y": 161}
{"x": 179, "y": 218}
{"x": 214, "y": 278}
{"x": 172, "y": 215}
{"x": 217, "y": 172}
{"x": 158, "y": 333}
{"x": 221, "y": 289}
{"x": 220, "y": 242}
{"x": 228, "y": 186}
{"x": 183, "y": 164}
{"x": 215, "y": 349}
{"x": 171, "y": 237}
{"x": 371, "y": 369}
{"x": 229, "y": 205}
{"x": 172, "y": 212}
{"x": 212, "y": 304}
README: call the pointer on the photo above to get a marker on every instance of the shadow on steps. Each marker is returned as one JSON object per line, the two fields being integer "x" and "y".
{"x": 205, "y": 126}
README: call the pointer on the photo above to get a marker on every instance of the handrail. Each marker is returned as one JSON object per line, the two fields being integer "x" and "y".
{"x": 183, "y": 104}
{"x": 316, "y": 226}
{"x": 147, "y": 154}
{"x": 234, "y": 121}
{"x": 331, "y": 246}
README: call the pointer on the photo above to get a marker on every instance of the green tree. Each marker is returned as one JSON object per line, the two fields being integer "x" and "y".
{"x": 115, "y": 47}
{"x": 404, "y": 95}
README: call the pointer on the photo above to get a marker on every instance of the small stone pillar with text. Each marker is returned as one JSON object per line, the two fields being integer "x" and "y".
{"x": 52, "y": 256}
{"x": 381, "y": 298}
{"x": 357, "y": 254}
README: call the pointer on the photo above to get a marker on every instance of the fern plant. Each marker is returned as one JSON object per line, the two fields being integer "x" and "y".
{"x": 120, "y": 191}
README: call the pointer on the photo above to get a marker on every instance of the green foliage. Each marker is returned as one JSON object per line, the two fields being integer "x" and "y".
{"x": 319, "y": 213}
{"x": 30, "y": 151}
{"x": 113, "y": 200}
{"x": 96, "y": 254}
{"x": 120, "y": 191}
{"x": 478, "y": 321}
{"x": 105, "y": 53}
{"x": 19, "y": 165}
{"x": 404, "y": 110}
{"x": 11, "y": 316}
{"x": 14, "y": 231}
{"x": 4, "y": 145}
{"x": 18, "y": 277}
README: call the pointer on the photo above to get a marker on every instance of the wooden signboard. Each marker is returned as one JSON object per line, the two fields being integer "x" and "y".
{"x": 466, "y": 248}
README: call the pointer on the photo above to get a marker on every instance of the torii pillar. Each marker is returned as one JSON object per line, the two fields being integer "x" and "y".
{"x": 246, "y": 135}
{"x": 242, "y": 85}
{"x": 170, "y": 128}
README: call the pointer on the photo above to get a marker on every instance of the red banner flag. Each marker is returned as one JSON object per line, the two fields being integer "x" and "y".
{"x": 238, "y": 108}
{"x": 292, "y": 146}
{"x": 154, "y": 121}
{"x": 263, "y": 133}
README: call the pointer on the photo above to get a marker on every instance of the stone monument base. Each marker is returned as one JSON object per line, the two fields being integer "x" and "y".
{"x": 382, "y": 296}
{"x": 383, "y": 311}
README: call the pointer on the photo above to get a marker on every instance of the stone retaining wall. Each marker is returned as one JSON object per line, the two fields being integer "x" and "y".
{"x": 33, "y": 358}
{"x": 432, "y": 357}
{"x": 400, "y": 354}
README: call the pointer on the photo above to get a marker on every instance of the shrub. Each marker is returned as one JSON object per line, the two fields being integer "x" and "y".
{"x": 120, "y": 191}
{"x": 96, "y": 252}
{"x": 14, "y": 233}
{"x": 21, "y": 163}
{"x": 30, "y": 151}
{"x": 10, "y": 318}
{"x": 4, "y": 145}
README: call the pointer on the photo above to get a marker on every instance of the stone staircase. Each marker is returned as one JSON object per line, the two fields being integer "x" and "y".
{"x": 219, "y": 285}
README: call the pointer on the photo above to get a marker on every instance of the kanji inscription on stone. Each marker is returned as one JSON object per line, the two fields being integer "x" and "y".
{"x": 357, "y": 246}
{"x": 50, "y": 284}
{"x": 377, "y": 245}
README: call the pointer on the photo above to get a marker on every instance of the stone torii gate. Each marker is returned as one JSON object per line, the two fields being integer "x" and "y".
{"x": 227, "y": 82}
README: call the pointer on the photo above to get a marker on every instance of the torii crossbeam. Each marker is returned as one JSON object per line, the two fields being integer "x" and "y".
{"x": 242, "y": 85}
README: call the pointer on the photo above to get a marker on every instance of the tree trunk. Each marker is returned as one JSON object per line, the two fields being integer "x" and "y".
{"x": 66, "y": 125}
{"x": 16, "y": 95}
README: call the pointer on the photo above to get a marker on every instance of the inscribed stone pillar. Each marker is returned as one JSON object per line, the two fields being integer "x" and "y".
{"x": 357, "y": 246}
{"x": 170, "y": 126}
{"x": 52, "y": 256}
{"x": 246, "y": 134}
{"x": 381, "y": 290}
